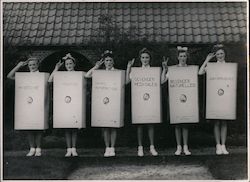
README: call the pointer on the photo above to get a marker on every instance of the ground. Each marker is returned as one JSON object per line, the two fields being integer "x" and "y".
{"x": 202, "y": 165}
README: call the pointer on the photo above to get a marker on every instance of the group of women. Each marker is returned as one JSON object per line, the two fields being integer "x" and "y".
{"x": 109, "y": 134}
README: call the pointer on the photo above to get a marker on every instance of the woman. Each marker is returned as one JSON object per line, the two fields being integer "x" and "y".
{"x": 220, "y": 126}
{"x": 181, "y": 130}
{"x": 109, "y": 133}
{"x": 70, "y": 134}
{"x": 34, "y": 137}
{"x": 145, "y": 58}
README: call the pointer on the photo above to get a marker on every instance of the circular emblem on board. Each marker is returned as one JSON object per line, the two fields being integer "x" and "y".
{"x": 29, "y": 100}
{"x": 146, "y": 96}
{"x": 67, "y": 99}
{"x": 220, "y": 92}
{"x": 183, "y": 98}
{"x": 105, "y": 100}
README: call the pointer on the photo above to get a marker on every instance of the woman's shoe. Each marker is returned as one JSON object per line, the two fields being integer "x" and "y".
{"x": 31, "y": 152}
{"x": 224, "y": 150}
{"x": 73, "y": 152}
{"x": 38, "y": 152}
{"x": 107, "y": 152}
{"x": 218, "y": 149}
{"x": 185, "y": 150}
{"x": 178, "y": 151}
{"x": 68, "y": 154}
{"x": 112, "y": 152}
{"x": 153, "y": 151}
{"x": 140, "y": 151}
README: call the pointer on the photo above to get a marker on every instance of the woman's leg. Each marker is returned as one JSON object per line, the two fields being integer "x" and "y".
{"x": 68, "y": 138}
{"x": 185, "y": 140}
{"x": 217, "y": 132}
{"x": 74, "y": 138}
{"x": 73, "y": 142}
{"x": 113, "y": 140}
{"x": 113, "y": 136}
{"x": 151, "y": 140}
{"x": 139, "y": 135}
{"x": 38, "y": 140}
{"x": 139, "y": 138}
{"x": 224, "y": 137}
{"x": 106, "y": 136}
{"x": 217, "y": 137}
{"x": 31, "y": 139}
{"x": 151, "y": 134}
{"x": 223, "y": 132}
{"x": 68, "y": 143}
{"x": 185, "y": 135}
{"x": 178, "y": 139}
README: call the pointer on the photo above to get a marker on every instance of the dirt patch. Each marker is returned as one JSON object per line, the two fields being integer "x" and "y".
{"x": 35, "y": 168}
{"x": 148, "y": 172}
{"x": 232, "y": 167}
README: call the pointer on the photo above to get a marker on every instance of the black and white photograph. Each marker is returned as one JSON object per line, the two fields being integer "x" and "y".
{"x": 124, "y": 90}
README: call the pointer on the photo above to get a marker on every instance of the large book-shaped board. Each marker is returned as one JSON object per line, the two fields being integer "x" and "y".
{"x": 183, "y": 94}
{"x": 31, "y": 101}
{"x": 108, "y": 98}
{"x": 221, "y": 91}
{"x": 69, "y": 99}
{"x": 146, "y": 95}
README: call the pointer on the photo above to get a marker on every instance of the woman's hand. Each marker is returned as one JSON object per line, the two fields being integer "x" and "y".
{"x": 58, "y": 65}
{"x": 11, "y": 74}
{"x": 210, "y": 56}
{"x": 130, "y": 63}
{"x": 202, "y": 69}
{"x": 22, "y": 63}
{"x": 165, "y": 63}
{"x": 99, "y": 63}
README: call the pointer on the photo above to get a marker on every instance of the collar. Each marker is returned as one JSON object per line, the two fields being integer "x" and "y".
{"x": 112, "y": 69}
{"x": 179, "y": 65}
{"x": 35, "y": 71}
{"x": 148, "y": 66}
{"x": 221, "y": 62}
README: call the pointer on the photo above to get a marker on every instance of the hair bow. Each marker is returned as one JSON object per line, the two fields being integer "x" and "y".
{"x": 107, "y": 52}
{"x": 179, "y": 48}
{"x": 218, "y": 45}
{"x": 68, "y": 56}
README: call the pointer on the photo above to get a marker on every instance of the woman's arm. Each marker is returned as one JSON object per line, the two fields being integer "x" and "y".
{"x": 97, "y": 65}
{"x": 202, "y": 69}
{"x": 130, "y": 63}
{"x": 58, "y": 65}
{"x": 11, "y": 74}
{"x": 164, "y": 70}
